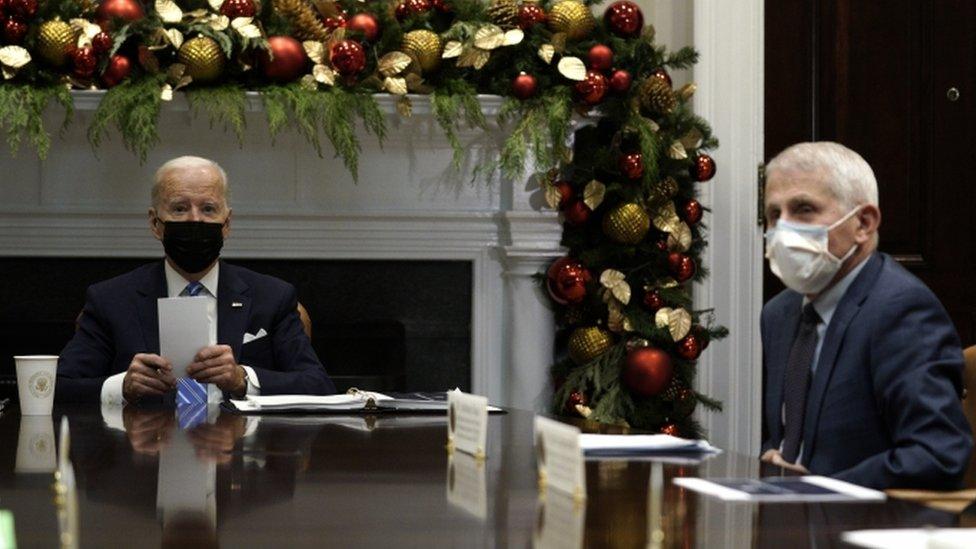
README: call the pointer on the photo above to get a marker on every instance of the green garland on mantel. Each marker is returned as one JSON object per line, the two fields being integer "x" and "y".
{"x": 625, "y": 179}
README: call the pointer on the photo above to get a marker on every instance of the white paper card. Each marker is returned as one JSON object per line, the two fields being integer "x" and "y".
{"x": 913, "y": 538}
{"x": 559, "y": 457}
{"x": 466, "y": 488}
{"x": 184, "y": 329}
{"x": 467, "y": 423}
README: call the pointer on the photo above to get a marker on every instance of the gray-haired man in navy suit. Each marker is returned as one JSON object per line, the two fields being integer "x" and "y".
{"x": 862, "y": 366}
{"x": 257, "y": 346}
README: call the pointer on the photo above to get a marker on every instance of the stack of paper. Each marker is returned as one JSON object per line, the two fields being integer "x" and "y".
{"x": 642, "y": 445}
{"x": 357, "y": 401}
{"x": 929, "y": 538}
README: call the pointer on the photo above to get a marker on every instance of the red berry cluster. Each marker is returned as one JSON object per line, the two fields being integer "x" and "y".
{"x": 15, "y": 15}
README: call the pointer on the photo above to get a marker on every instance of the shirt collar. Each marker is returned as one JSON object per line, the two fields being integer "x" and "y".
{"x": 826, "y": 303}
{"x": 175, "y": 283}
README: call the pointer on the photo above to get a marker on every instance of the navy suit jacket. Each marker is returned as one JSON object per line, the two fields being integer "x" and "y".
{"x": 120, "y": 320}
{"x": 883, "y": 408}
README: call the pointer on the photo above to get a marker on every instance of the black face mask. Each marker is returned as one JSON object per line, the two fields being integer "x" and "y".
{"x": 193, "y": 245}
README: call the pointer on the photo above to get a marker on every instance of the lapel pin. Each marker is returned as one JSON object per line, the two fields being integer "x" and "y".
{"x": 236, "y": 304}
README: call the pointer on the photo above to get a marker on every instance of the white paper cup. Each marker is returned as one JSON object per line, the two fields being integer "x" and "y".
{"x": 36, "y": 451}
{"x": 35, "y": 383}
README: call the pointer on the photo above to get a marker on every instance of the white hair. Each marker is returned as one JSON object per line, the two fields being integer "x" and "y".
{"x": 847, "y": 176}
{"x": 185, "y": 163}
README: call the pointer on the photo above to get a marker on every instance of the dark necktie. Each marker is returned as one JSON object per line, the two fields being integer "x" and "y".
{"x": 798, "y": 381}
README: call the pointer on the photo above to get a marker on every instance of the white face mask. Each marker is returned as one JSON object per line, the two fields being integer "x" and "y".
{"x": 799, "y": 255}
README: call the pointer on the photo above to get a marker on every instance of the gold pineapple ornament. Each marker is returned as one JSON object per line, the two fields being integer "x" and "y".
{"x": 203, "y": 58}
{"x": 504, "y": 13}
{"x": 656, "y": 96}
{"x": 424, "y": 47}
{"x": 585, "y": 344}
{"x": 573, "y": 18}
{"x": 628, "y": 223}
{"x": 55, "y": 39}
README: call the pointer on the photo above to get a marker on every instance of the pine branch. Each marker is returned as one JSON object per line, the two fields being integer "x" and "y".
{"x": 225, "y": 105}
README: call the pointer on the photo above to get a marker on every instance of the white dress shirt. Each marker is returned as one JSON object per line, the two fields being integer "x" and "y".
{"x": 176, "y": 286}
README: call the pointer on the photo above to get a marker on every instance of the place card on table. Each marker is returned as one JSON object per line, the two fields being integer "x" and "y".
{"x": 466, "y": 487}
{"x": 559, "y": 522}
{"x": 559, "y": 457}
{"x": 467, "y": 423}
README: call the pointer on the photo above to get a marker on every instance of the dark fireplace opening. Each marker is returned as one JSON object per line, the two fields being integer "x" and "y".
{"x": 376, "y": 324}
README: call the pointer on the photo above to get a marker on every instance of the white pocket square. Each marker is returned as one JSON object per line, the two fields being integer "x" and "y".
{"x": 251, "y": 337}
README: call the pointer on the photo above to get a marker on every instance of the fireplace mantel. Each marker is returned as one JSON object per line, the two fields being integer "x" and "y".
{"x": 287, "y": 202}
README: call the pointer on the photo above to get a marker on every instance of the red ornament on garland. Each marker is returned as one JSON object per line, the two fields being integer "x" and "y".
{"x": 530, "y": 14}
{"x": 692, "y": 211}
{"x": 577, "y": 213}
{"x": 409, "y": 8}
{"x": 83, "y": 62}
{"x": 348, "y": 57}
{"x": 670, "y": 429}
{"x": 600, "y": 58}
{"x": 648, "y": 371}
{"x": 335, "y": 22}
{"x": 238, "y": 8}
{"x": 118, "y": 69}
{"x": 631, "y": 165}
{"x": 591, "y": 89}
{"x": 14, "y": 31}
{"x": 703, "y": 168}
{"x": 443, "y": 6}
{"x": 286, "y": 61}
{"x": 620, "y": 81}
{"x": 681, "y": 266}
{"x": 24, "y": 10}
{"x": 703, "y": 337}
{"x": 524, "y": 86}
{"x": 365, "y": 23}
{"x": 624, "y": 19}
{"x": 576, "y": 398}
{"x": 663, "y": 75}
{"x": 566, "y": 193}
{"x": 689, "y": 348}
{"x": 653, "y": 300}
{"x": 566, "y": 281}
{"x": 126, "y": 10}
{"x": 102, "y": 42}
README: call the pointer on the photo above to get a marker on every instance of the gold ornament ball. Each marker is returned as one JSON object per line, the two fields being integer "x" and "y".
{"x": 203, "y": 58}
{"x": 585, "y": 344}
{"x": 572, "y": 17}
{"x": 424, "y": 47}
{"x": 628, "y": 223}
{"x": 55, "y": 39}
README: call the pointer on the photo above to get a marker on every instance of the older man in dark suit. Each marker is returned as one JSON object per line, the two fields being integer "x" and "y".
{"x": 862, "y": 365}
{"x": 257, "y": 342}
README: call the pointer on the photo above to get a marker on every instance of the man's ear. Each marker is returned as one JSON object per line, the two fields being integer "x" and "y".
{"x": 869, "y": 219}
{"x": 226, "y": 227}
{"x": 155, "y": 225}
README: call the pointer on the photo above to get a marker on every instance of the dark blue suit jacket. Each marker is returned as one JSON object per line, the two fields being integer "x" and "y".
{"x": 120, "y": 320}
{"x": 883, "y": 408}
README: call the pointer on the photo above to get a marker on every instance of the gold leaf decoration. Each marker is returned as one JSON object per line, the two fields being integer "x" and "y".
{"x": 593, "y": 194}
{"x": 663, "y": 317}
{"x": 405, "y": 106}
{"x": 572, "y": 68}
{"x": 168, "y": 11}
{"x": 489, "y": 37}
{"x": 679, "y": 323}
{"x": 616, "y": 282}
{"x": 666, "y": 217}
{"x": 315, "y": 51}
{"x": 452, "y": 49}
{"x": 394, "y": 63}
{"x": 245, "y": 27}
{"x": 687, "y": 91}
{"x": 323, "y": 75}
{"x": 679, "y": 239}
{"x": 513, "y": 37}
{"x": 395, "y": 85}
{"x": 474, "y": 57}
{"x": 553, "y": 196}
{"x": 692, "y": 139}
{"x": 677, "y": 151}
{"x": 547, "y": 52}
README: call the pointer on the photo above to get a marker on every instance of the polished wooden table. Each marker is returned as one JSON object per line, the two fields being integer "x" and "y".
{"x": 331, "y": 481}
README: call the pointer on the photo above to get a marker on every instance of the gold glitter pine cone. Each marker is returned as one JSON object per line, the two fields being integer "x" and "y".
{"x": 628, "y": 223}
{"x": 424, "y": 47}
{"x": 504, "y": 13}
{"x": 585, "y": 344}
{"x": 656, "y": 96}
{"x": 572, "y": 17}
{"x": 55, "y": 39}
{"x": 203, "y": 58}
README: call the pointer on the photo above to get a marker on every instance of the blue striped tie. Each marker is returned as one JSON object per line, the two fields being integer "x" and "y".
{"x": 188, "y": 390}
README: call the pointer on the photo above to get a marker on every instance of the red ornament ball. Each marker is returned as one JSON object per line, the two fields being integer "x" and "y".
{"x": 591, "y": 89}
{"x": 365, "y": 23}
{"x": 624, "y": 19}
{"x": 670, "y": 429}
{"x": 83, "y": 62}
{"x": 702, "y": 335}
{"x": 662, "y": 244}
{"x": 348, "y": 57}
{"x": 118, "y": 69}
{"x": 576, "y": 398}
{"x": 620, "y": 81}
{"x": 14, "y": 31}
{"x": 577, "y": 213}
{"x": 689, "y": 348}
{"x": 238, "y": 8}
{"x": 648, "y": 371}
{"x": 530, "y": 15}
{"x": 653, "y": 300}
{"x": 600, "y": 58}
{"x": 409, "y": 8}
{"x": 284, "y": 60}
{"x": 703, "y": 168}
{"x": 566, "y": 281}
{"x": 524, "y": 86}
{"x": 692, "y": 211}
{"x": 102, "y": 42}
{"x": 333, "y": 23}
{"x": 631, "y": 165}
{"x": 566, "y": 193}
{"x": 682, "y": 266}
{"x": 21, "y": 9}
{"x": 443, "y": 6}
{"x": 126, "y": 10}
{"x": 663, "y": 75}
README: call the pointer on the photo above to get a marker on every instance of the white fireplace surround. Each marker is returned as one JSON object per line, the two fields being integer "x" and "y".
{"x": 410, "y": 205}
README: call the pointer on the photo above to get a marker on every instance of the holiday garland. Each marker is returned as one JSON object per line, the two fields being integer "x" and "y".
{"x": 590, "y": 100}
